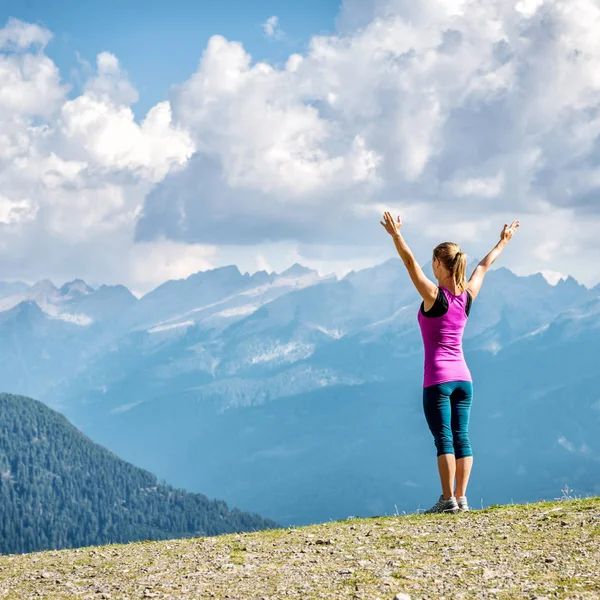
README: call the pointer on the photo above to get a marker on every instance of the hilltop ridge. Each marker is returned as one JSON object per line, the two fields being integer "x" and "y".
{"x": 543, "y": 550}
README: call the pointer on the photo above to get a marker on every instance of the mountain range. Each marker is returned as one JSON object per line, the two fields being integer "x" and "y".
{"x": 298, "y": 396}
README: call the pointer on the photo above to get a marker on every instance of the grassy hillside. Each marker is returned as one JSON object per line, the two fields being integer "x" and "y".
{"x": 544, "y": 550}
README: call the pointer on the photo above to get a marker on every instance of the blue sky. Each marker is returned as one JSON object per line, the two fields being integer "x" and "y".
{"x": 190, "y": 139}
{"x": 159, "y": 42}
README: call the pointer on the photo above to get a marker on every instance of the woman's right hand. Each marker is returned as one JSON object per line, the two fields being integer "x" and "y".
{"x": 508, "y": 231}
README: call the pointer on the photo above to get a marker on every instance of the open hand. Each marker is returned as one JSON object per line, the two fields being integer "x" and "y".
{"x": 509, "y": 231}
{"x": 391, "y": 226}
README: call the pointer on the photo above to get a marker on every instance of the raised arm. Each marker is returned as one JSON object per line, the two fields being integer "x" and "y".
{"x": 474, "y": 284}
{"x": 426, "y": 288}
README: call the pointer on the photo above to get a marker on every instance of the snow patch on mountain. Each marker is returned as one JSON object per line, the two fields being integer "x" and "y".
{"x": 583, "y": 449}
{"x": 289, "y": 352}
{"x": 76, "y": 319}
{"x": 538, "y": 330}
{"x": 336, "y": 334}
{"x": 124, "y": 407}
{"x": 494, "y": 347}
{"x": 565, "y": 443}
{"x": 161, "y": 328}
{"x": 237, "y": 311}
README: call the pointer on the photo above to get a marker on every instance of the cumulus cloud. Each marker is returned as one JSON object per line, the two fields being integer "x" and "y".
{"x": 458, "y": 115}
{"x": 74, "y": 171}
{"x": 18, "y": 35}
{"x": 29, "y": 86}
{"x": 159, "y": 261}
{"x": 267, "y": 137}
{"x": 15, "y": 211}
{"x": 110, "y": 84}
{"x": 476, "y": 112}
{"x": 483, "y": 187}
{"x": 272, "y": 29}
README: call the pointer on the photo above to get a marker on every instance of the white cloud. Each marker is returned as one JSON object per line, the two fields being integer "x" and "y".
{"x": 108, "y": 137}
{"x": 18, "y": 35}
{"x": 156, "y": 262}
{"x": 272, "y": 29}
{"x": 15, "y": 211}
{"x": 262, "y": 264}
{"x": 566, "y": 444}
{"x": 553, "y": 277}
{"x": 490, "y": 187}
{"x": 110, "y": 84}
{"x": 460, "y": 229}
{"x": 460, "y": 116}
{"x": 529, "y": 7}
{"x": 266, "y": 136}
{"x": 74, "y": 171}
{"x": 435, "y": 104}
{"x": 29, "y": 86}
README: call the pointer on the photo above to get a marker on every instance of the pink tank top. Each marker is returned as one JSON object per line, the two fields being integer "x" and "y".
{"x": 442, "y": 339}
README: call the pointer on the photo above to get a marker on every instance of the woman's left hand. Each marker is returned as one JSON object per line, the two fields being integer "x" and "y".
{"x": 391, "y": 226}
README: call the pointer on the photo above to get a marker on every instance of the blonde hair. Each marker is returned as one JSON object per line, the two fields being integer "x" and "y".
{"x": 453, "y": 259}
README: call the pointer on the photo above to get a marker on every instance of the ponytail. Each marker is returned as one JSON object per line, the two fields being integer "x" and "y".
{"x": 459, "y": 271}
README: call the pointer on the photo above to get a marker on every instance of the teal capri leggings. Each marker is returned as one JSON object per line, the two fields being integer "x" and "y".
{"x": 447, "y": 409}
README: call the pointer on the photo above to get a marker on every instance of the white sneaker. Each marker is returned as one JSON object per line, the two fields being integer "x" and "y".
{"x": 463, "y": 506}
{"x": 444, "y": 506}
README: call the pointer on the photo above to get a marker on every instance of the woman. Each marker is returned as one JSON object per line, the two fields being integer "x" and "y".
{"x": 447, "y": 385}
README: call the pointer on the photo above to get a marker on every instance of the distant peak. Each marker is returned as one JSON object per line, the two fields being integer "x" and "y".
{"x": 554, "y": 278}
{"x": 225, "y": 270}
{"x": 537, "y": 276}
{"x": 298, "y": 269}
{"x": 118, "y": 287}
{"x": 29, "y": 305}
{"x": 76, "y": 286}
{"x": 262, "y": 276}
{"x": 44, "y": 284}
{"x": 114, "y": 291}
{"x": 390, "y": 266}
{"x": 568, "y": 281}
{"x": 219, "y": 273}
{"x": 26, "y": 309}
{"x": 228, "y": 269}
